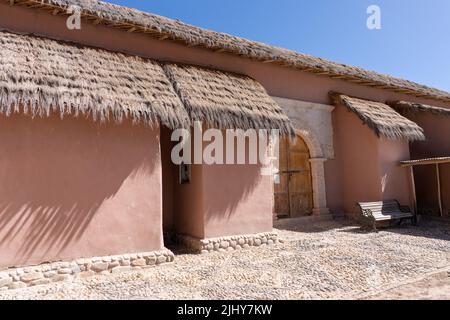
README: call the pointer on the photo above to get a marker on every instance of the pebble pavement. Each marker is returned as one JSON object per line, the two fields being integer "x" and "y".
{"x": 323, "y": 260}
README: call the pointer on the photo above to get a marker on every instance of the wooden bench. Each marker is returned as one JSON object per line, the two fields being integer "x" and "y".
{"x": 391, "y": 210}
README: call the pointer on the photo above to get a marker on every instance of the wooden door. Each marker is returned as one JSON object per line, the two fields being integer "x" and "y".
{"x": 293, "y": 190}
{"x": 282, "y": 207}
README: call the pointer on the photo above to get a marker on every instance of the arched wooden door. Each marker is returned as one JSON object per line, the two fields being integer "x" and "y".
{"x": 293, "y": 186}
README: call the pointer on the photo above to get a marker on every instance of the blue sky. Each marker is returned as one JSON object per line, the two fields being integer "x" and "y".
{"x": 412, "y": 44}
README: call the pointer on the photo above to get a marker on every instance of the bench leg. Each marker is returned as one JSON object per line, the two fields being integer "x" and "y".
{"x": 374, "y": 226}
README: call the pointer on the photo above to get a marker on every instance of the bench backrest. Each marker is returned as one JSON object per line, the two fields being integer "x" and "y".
{"x": 381, "y": 207}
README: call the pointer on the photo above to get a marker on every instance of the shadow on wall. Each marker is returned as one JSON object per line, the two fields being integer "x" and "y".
{"x": 219, "y": 200}
{"x": 231, "y": 187}
{"x": 54, "y": 177}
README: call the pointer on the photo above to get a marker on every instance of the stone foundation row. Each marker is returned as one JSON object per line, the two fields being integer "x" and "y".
{"x": 231, "y": 243}
{"x": 16, "y": 278}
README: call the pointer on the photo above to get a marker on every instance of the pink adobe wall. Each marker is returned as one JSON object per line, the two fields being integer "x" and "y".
{"x": 221, "y": 200}
{"x": 278, "y": 81}
{"x": 395, "y": 180}
{"x": 356, "y": 162}
{"x": 188, "y": 212}
{"x": 368, "y": 167}
{"x": 185, "y": 214}
{"x": 437, "y": 132}
{"x": 237, "y": 200}
{"x": 168, "y": 170}
{"x": 73, "y": 188}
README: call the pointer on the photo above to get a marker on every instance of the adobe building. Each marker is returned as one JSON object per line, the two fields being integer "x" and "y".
{"x": 88, "y": 184}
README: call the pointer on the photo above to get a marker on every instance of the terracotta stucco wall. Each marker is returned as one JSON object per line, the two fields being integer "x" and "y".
{"x": 221, "y": 200}
{"x": 368, "y": 167}
{"x": 168, "y": 174}
{"x": 188, "y": 212}
{"x": 356, "y": 168}
{"x": 278, "y": 81}
{"x": 437, "y": 132}
{"x": 237, "y": 200}
{"x": 72, "y": 188}
{"x": 395, "y": 180}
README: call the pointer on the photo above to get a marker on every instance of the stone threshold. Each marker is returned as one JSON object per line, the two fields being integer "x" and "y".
{"x": 280, "y": 223}
{"x": 16, "y": 278}
{"x": 229, "y": 243}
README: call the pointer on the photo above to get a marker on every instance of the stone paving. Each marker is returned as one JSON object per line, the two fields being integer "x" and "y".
{"x": 321, "y": 260}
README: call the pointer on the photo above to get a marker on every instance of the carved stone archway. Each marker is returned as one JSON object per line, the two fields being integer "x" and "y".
{"x": 317, "y": 172}
{"x": 312, "y": 122}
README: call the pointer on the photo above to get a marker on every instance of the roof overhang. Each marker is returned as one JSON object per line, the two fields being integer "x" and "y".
{"x": 39, "y": 76}
{"x": 381, "y": 118}
{"x": 405, "y": 107}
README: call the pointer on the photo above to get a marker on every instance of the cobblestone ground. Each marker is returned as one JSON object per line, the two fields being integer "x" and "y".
{"x": 433, "y": 287}
{"x": 326, "y": 260}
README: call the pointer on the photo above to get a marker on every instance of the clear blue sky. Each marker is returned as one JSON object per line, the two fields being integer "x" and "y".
{"x": 414, "y": 42}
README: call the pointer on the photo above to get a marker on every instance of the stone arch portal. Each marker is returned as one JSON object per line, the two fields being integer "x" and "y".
{"x": 312, "y": 123}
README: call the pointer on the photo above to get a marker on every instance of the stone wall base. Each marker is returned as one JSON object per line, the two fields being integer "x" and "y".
{"x": 16, "y": 278}
{"x": 230, "y": 243}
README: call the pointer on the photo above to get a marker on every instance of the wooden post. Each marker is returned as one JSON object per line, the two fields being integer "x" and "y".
{"x": 438, "y": 176}
{"x": 413, "y": 186}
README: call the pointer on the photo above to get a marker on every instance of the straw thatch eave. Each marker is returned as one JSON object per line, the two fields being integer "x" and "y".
{"x": 381, "y": 118}
{"x": 40, "y": 76}
{"x": 226, "y": 100}
{"x": 163, "y": 28}
{"x": 405, "y": 108}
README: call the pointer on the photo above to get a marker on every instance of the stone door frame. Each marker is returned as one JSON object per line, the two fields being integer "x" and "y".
{"x": 313, "y": 123}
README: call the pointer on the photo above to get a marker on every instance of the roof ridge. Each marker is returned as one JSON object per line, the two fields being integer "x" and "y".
{"x": 161, "y": 27}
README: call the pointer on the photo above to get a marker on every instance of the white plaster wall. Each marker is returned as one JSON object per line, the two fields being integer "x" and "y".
{"x": 314, "y": 123}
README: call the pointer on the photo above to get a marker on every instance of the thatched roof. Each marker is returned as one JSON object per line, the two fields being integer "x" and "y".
{"x": 163, "y": 28}
{"x": 226, "y": 100}
{"x": 39, "y": 76}
{"x": 405, "y": 107}
{"x": 381, "y": 118}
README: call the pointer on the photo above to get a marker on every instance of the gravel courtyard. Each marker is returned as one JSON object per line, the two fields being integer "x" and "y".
{"x": 322, "y": 260}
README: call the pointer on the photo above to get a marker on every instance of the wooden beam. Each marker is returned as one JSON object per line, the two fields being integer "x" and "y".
{"x": 413, "y": 187}
{"x": 425, "y": 162}
{"x": 439, "y": 191}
